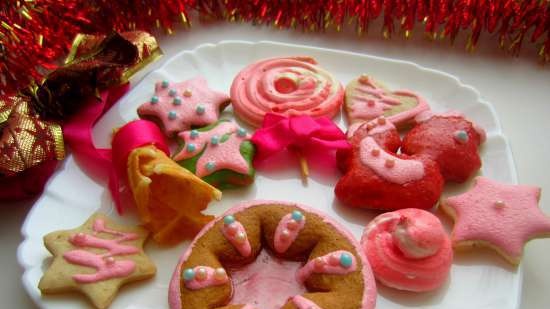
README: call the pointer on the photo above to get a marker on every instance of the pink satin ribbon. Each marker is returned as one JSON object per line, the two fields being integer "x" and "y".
{"x": 315, "y": 138}
{"x": 98, "y": 162}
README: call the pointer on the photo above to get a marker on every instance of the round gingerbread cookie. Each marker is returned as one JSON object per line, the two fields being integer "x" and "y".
{"x": 335, "y": 271}
{"x": 288, "y": 86}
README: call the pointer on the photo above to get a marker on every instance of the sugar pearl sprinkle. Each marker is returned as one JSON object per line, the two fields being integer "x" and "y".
{"x": 334, "y": 260}
{"x": 187, "y": 93}
{"x": 345, "y": 260}
{"x": 172, "y": 115}
{"x": 214, "y": 140}
{"x": 381, "y": 121}
{"x": 165, "y": 84}
{"x": 110, "y": 260}
{"x": 201, "y": 274}
{"x": 297, "y": 215}
{"x": 220, "y": 274}
{"x": 227, "y": 220}
{"x": 241, "y": 132}
{"x": 172, "y": 92}
{"x": 499, "y": 204}
{"x": 191, "y": 147}
{"x": 319, "y": 264}
{"x": 210, "y": 166}
{"x": 285, "y": 234}
{"x": 292, "y": 225}
{"x": 389, "y": 163}
{"x": 461, "y": 136}
{"x": 194, "y": 134}
{"x": 154, "y": 99}
{"x": 240, "y": 237}
{"x": 375, "y": 152}
{"x": 177, "y": 101}
{"x": 188, "y": 274}
{"x": 200, "y": 109}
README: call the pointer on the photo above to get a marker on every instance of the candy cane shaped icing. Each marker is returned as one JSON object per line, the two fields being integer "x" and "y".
{"x": 387, "y": 166}
{"x": 235, "y": 233}
{"x": 335, "y": 263}
{"x": 216, "y": 154}
{"x": 303, "y": 303}
{"x": 201, "y": 277}
{"x": 288, "y": 229}
{"x": 371, "y": 101}
{"x": 105, "y": 264}
{"x": 408, "y": 249}
{"x": 285, "y": 86}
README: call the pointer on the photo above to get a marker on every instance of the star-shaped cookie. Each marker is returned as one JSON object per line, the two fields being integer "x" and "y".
{"x": 96, "y": 259}
{"x": 180, "y": 106}
{"x": 496, "y": 215}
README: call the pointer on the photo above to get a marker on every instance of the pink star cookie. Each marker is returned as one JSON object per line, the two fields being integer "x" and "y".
{"x": 180, "y": 106}
{"x": 496, "y": 215}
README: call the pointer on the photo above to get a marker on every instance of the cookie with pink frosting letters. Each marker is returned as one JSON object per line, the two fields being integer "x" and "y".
{"x": 221, "y": 154}
{"x": 496, "y": 215}
{"x": 408, "y": 249}
{"x": 367, "y": 99}
{"x": 96, "y": 259}
{"x": 181, "y": 106}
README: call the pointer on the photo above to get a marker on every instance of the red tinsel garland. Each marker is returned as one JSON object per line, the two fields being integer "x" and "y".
{"x": 34, "y": 34}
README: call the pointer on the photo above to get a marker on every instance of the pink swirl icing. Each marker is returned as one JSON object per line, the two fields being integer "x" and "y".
{"x": 303, "y": 303}
{"x": 105, "y": 264}
{"x": 236, "y": 235}
{"x": 291, "y": 86}
{"x": 408, "y": 250}
{"x": 387, "y": 166}
{"x": 286, "y": 232}
{"x": 327, "y": 264}
{"x": 209, "y": 280}
{"x": 370, "y": 101}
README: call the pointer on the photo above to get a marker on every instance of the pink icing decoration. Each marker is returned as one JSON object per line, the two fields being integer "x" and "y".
{"x": 282, "y": 242}
{"x": 267, "y": 282}
{"x": 408, "y": 250}
{"x": 224, "y": 155}
{"x": 504, "y": 215}
{"x": 370, "y": 102}
{"x": 400, "y": 172}
{"x": 287, "y": 87}
{"x": 106, "y": 267}
{"x": 231, "y": 231}
{"x": 304, "y": 303}
{"x": 326, "y": 264}
{"x": 192, "y": 93}
{"x": 248, "y": 307}
{"x": 209, "y": 281}
{"x": 369, "y": 292}
{"x": 373, "y": 126}
{"x": 427, "y": 115}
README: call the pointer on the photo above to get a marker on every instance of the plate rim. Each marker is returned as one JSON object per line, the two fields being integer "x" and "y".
{"x": 26, "y": 267}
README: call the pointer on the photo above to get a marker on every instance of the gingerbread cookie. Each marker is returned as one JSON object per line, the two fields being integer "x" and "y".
{"x": 449, "y": 139}
{"x": 221, "y": 154}
{"x": 376, "y": 177}
{"x": 96, "y": 259}
{"x": 180, "y": 106}
{"x": 286, "y": 86}
{"x": 500, "y": 216}
{"x": 367, "y": 99}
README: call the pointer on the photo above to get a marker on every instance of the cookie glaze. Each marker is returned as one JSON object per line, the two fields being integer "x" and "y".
{"x": 215, "y": 154}
{"x": 366, "y": 100}
{"x": 235, "y": 233}
{"x": 501, "y": 216}
{"x": 180, "y": 106}
{"x": 290, "y": 86}
{"x": 408, "y": 250}
{"x": 106, "y": 265}
{"x": 288, "y": 229}
{"x": 335, "y": 263}
{"x": 387, "y": 166}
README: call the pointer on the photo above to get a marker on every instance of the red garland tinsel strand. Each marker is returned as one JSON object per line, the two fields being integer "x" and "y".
{"x": 34, "y": 34}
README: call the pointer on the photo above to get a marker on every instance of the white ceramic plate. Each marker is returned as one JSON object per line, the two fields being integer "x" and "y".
{"x": 477, "y": 280}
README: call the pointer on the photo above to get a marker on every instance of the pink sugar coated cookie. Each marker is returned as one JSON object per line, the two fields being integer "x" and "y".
{"x": 408, "y": 249}
{"x": 180, "y": 106}
{"x": 496, "y": 215}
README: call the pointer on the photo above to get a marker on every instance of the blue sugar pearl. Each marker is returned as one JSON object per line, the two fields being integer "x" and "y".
{"x": 172, "y": 115}
{"x": 297, "y": 216}
{"x": 188, "y": 274}
{"x": 194, "y": 134}
{"x": 214, "y": 140}
{"x": 241, "y": 132}
{"x": 172, "y": 92}
{"x": 345, "y": 260}
{"x": 200, "y": 109}
{"x": 228, "y": 219}
{"x": 177, "y": 101}
{"x": 165, "y": 84}
{"x": 461, "y": 136}
{"x": 154, "y": 99}
{"x": 191, "y": 147}
{"x": 210, "y": 166}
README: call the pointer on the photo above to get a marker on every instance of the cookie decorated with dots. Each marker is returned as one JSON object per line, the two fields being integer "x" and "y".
{"x": 178, "y": 107}
{"x": 221, "y": 154}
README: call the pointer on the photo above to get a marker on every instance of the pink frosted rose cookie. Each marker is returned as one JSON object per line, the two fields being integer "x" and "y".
{"x": 180, "y": 106}
{"x": 292, "y": 86}
{"x": 500, "y": 216}
{"x": 408, "y": 249}
{"x": 367, "y": 99}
